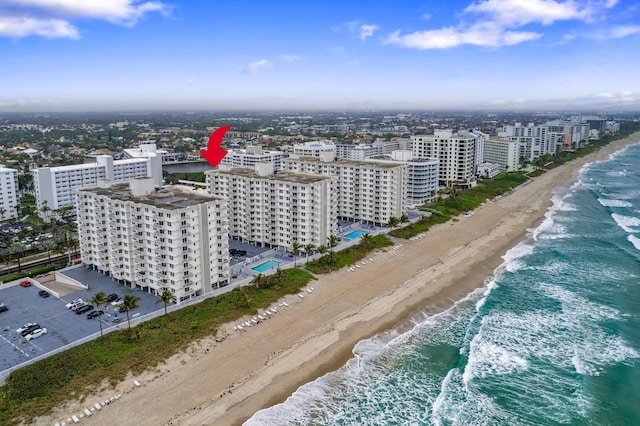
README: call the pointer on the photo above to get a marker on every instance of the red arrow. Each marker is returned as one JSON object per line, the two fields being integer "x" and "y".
{"x": 214, "y": 153}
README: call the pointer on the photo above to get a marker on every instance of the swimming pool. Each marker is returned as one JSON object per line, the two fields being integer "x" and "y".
{"x": 266, "y": 266}
{"x": 355, "y": 234}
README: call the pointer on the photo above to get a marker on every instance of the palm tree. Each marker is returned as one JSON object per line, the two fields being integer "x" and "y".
{"x": 2, "y": 212}
{"x": 333, "y": 240}
{"x": 404, "y": 218}
{"x": 393, "y": 222}
{"x": 98, "y": 300}
{"x": 308, "y": 249}
{"x": 366, "y": 240}
{"x": 296, "y": 246}
{"x": 166, "y": 297}
{"x": 45, "y": 209}
{"x": 48, "y": 245}
{"x": 129, "y": 303}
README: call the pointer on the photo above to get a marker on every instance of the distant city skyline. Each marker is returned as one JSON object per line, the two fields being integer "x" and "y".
{"x": 513, "y": 55}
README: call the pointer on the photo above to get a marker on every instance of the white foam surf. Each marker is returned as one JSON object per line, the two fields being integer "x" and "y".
{"x": 627, "y": 223}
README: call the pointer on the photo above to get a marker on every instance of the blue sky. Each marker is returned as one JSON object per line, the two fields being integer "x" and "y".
{"x": 86, "y": 55}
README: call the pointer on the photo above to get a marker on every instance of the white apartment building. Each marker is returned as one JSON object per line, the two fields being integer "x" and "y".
{"x": 422, "y": 176}
{"x": 8, "y": 193}
{"x": 533, "y": 140}
{"x": 252, "y": 155}
{"x": 367, "y": 191}
{"x": 155, "y": 239}
{"x": 314, "y": 148}
{"x": 502, "y": 152}
{"x": 455, "y": 153}
{"x": 276, "y": 209}
{"x": 56, "y": 185}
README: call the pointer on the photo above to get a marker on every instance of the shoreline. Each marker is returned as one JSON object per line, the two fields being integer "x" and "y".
{"x": 227, "y": 378}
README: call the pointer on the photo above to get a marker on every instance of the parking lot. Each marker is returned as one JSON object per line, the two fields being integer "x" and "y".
{"x": 63, "y": 325}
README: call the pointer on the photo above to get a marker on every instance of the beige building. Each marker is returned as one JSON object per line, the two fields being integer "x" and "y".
{"x": 367, "y": 191}
{"x": 455, "y": 153}
{"x": 155, "y": 239}
{"x": 276, "y": 209}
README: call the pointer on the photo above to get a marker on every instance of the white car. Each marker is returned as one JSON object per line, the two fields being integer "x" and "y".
{"x": 26, "y": 326}
{"x": 36, "y": 333}
{"x": 75, "y": 304}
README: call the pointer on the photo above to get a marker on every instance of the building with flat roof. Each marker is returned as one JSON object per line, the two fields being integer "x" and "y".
{"x": 155, "y": 239}
{"x": 276, "y": 209}
{"x": 314, "y": 148}
{"x": 422, "y": 176}
{"x": 455, "y": 153}
{"x": 502, "y": 152}
{"x": 8, "y": 193}
{"x": 251, "y": 155}
{"x": 367, "y": 191}
{"x": 56, "y": 185}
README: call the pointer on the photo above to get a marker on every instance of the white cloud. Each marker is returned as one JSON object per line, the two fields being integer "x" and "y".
{"x": 426, "y": 16}
{"x": 362, "y": 30}
{"x": 53, "y": 18}
{"x": 495, "y": 23}
{"x": 605, "y": 95}
{"x": 626, "y": 93}
{"x": 367, "y": 30}
{"x": 623, "y": 31}
{"x": 258, "y": 65}
{"x": 48, "y": 28}
{"x": 290, "y": 58}
{"x": 478, "y": 35}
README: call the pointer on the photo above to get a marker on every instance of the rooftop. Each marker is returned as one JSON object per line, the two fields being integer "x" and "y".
{"x": 347, "y": 162}
{"x": 167, "y": 197}
{"x": 278, "y": 176}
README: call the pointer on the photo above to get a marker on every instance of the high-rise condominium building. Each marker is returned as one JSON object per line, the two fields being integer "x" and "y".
{"x": 455, "y": 153}
{"x": 155, "y": 239}
{"x": 8, "y": 193}
{"x": 502, "y": 152}
{"x": 56, "y": 185}
{"x": 367, "y": 191}
{"x": 276, "y": 209}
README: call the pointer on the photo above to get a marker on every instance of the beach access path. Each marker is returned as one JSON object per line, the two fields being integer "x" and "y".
{"x": 225, "y": 379}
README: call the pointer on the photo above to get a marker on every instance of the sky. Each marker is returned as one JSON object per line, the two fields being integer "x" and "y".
{"x": 130, "y": 55}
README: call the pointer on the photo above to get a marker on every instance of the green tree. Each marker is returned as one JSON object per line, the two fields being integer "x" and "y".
{"x": 404, "y": 218}
{"x": 166, "y": 297}
{"x": 296, "y": 246}
{"x": 98, "y": 300}
{"x": 393, "y": 222}
{"x": 333, "y": 240}
{"x": 129, "y": 303}
{"x": 308, "y": 249}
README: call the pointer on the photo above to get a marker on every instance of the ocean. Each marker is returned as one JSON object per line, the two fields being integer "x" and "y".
{"x": 553, "y": 338}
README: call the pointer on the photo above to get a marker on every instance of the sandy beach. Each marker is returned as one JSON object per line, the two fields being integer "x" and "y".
{"x": 225, "y": 379}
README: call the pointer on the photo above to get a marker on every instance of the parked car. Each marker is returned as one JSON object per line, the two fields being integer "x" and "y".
{"x": 43, "y": 293}
{"x": 112, "y": 298}
{"x": 25, "y": 283}
{"x": 3, "y": 307}
{"x": 29, "y": 330}
{"x": 75, "y": 304}
{"x": 36, "y": 333}
{"x": 116, "y": 319}
{"x": 82, "y": 309}
{"x": 117, "y": 302}
{"x": 94, "y": 314}
{"x": 27, "y": 326}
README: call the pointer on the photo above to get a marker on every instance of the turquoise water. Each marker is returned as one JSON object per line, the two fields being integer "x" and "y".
{"x": 355, "y": 234}
{"x": 266, "y": 266}
{"x": 553, "y": 338}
